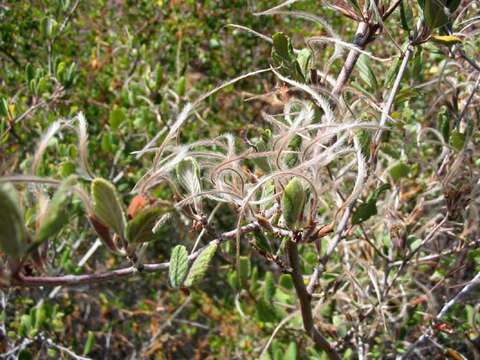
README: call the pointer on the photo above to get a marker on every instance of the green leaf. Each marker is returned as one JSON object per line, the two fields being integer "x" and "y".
{"x": 391, "y": 73}
{"x": 434, "y": 13}
{"x": 107, "y": 142}
{"x": 281, "y": 45}
{"x": 269, "y": 287}
{"x": 376, "y": 194}
{"x": 278, "y": 351}
{"x": 363, "y": 212}
{"x": 60, "y": 70}
{"x": 181, "y": 86}
{"x": 444, "y": 123}
{"x": 25, "y": 325}
{"x": 232, "y": 279}
{"x": 283, "y": 56}
{"x": 89, "y": 343}
{"x": 291, "y": 353}
{"x": 368, "y": 209}
{"x": 453, "y": 5}
{"x": 69, "y": 76}
{"x": 365, "y": 140}
{"x": 116, "y": 117}
{"x": 67, "y": 168}
{"x": 13, "y": 234}
{"x": 29, "y": 73}
{"x": 294, "y": 145}
{"x": 50, "y": 27}
{"x": 457, "y": 140}
{"x": 261, "y": 241}
{"x": 107, "y": 207}
{"x": 40, "y": 315}
{"x": 366, "y": 72}
{"x": 447, "y": 40}
{"x": 265, "y": 311}
{"x": 304, "y": 59}
{"x": 293, "y": 203}
{"x": 399, "y": 171}
{"x": 286, "y": 281}
{"x": 25, "y": 354}
{"x": 200, "y": 265}
{"x": 406, "y": 16}
{"x": 139, "y": 229}
{"x": 178, "y": 266}
{"x": 244, "y": 268}
{"x": 56, "y": 214}
{"x": 4, "y": 106}
{"x": 406, "y": 94}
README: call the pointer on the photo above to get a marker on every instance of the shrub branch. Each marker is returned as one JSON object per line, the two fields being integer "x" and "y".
{"x": 306, "y": 301}
{"x": 113, "y": 275}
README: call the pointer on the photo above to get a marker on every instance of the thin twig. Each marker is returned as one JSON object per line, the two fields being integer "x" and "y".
{"x": 306, "y": 303}
{"x": 88, "y": 279}
{"x": 362, "y": 38}
{"x": 67, "y": 20}
{"x": 58, "y": 93}
{"x": 391, "y": 98}
{"x": 279, "y": 326}
{"x": 467, "y": 104}
{"x": 66, "y": 350}
{"x": 469, "y": 287}
{"x": 391, "y": 9}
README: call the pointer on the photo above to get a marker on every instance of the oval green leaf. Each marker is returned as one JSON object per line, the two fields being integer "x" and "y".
{"x": 106, "y": 205}
{"x": 178, "y": 266}
{"x": 200, "y": 265}
{"x": 293, "y": 203}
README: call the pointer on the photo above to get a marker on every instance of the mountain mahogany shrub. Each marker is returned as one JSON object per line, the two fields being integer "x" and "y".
{"x": 357, "y": 203}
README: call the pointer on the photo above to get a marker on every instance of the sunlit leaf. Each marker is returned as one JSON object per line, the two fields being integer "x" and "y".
{"x": 457, "y": 140}
{"x": 200, "y": 265}
{"x": 447, "y": 40}
{"x": 89, "y": 343}
{"x": 293, "y": 203}
{"x": 291, "y": 353}
{"x": 116, "y": 118}
{"x": 399, "y": 171}
{"x": 178, "y": 267}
